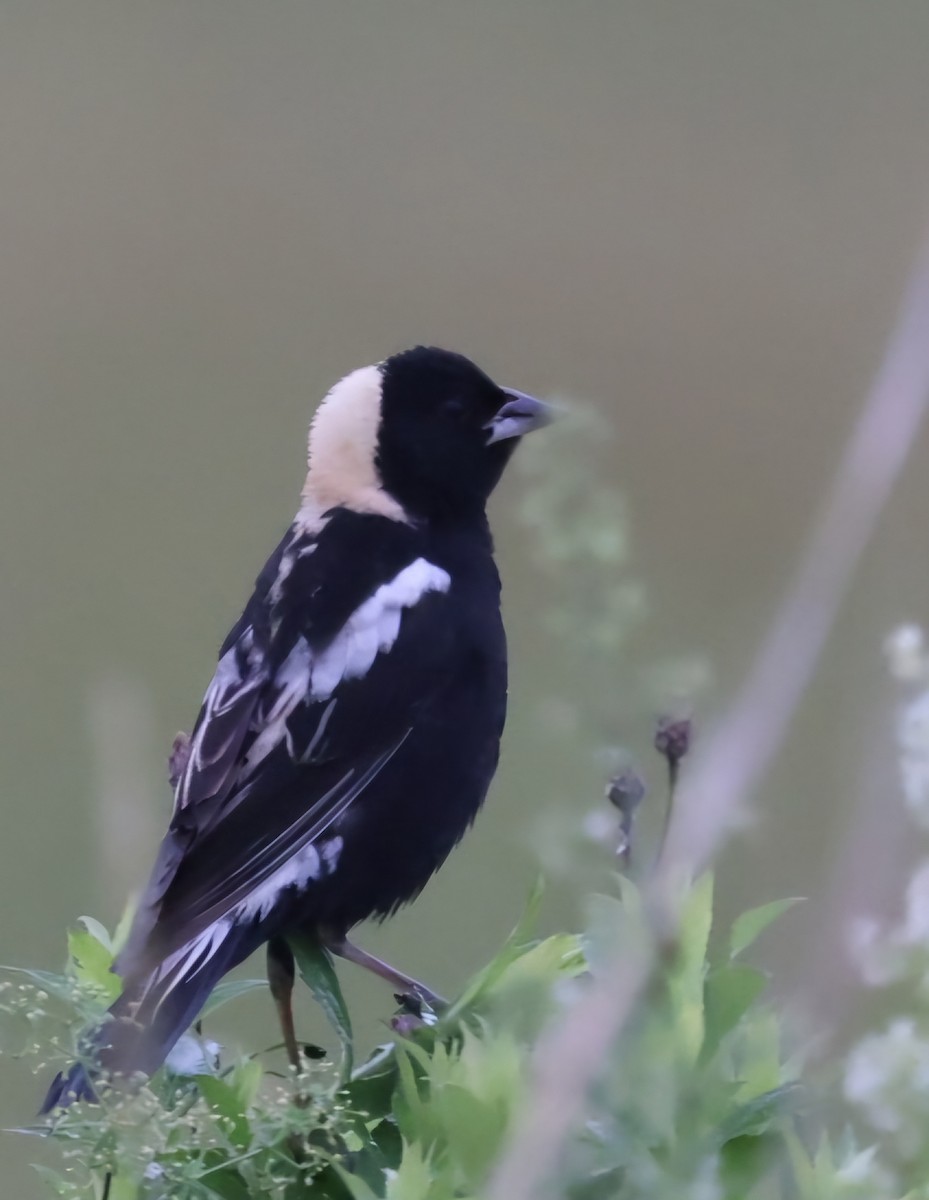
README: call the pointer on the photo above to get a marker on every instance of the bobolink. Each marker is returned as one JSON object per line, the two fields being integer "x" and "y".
{"x": 352, "y": 727}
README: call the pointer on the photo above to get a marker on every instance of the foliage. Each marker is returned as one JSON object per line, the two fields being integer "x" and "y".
{"x": 698, "y": 1098}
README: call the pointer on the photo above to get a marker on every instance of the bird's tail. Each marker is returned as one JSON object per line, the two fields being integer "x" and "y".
{"x": 152, "y": 1013}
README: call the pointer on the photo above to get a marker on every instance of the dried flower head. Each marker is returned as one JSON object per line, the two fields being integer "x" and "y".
{"x": 672, "y": 738}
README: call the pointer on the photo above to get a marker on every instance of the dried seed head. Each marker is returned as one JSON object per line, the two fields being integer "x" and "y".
{"x": 626, "y": 791}
{"x": 672, "y": 738}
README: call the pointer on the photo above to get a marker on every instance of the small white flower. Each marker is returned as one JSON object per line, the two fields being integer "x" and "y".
{"x": 875, "y": 953}
{"x": 913, "y": 743}
{"x": 905, "y": 651}
{"x": 914, "y": 778}
{"x": 887, "y": 1077}
{"x": 915, "y": 929}
{"x": 885, "y": 955}
{"x": 192, "y": 1057}
{"x": 913, "y": 728}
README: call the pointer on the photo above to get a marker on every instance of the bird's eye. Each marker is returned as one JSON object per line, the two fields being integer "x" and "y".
{"x": 454, "y": 406}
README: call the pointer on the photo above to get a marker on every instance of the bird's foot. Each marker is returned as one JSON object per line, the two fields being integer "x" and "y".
{"x": 409, "y": 989}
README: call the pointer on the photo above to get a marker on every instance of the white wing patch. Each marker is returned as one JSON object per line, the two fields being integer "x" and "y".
{"x": 297, "y": 872}
{"x": 302, "y": 868}
{"x": 331, "y": 852}
{"x": 373, "y": 627}
{"x": 196, "y": 953}
{"x": 309, "y": 864}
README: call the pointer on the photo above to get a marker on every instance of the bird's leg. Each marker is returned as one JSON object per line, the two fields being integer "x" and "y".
{"x": 281, "y": 982}
{"x": 339, "y": 945}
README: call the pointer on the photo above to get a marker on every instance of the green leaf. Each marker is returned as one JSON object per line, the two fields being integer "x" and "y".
{"x": 414, "y": 1113}
{"x": 761, "y": 1068}
{"x": 122, "y": 1188}
{"x": 728, "y": 994}
{"x": 226, "y": 1103}
{"x": 231, "y": 989}
{"x": 529, "y": 918}
{"x": 613, "y": 924}
{"x": 747, "y": 928}
{"x": 90, "y": 963}
{"x": 560, "y": 956}
{"x": 98, "y": 931}
{"x": 315, "y": 966}
{"x": 228, "y": 1184}
{"x": 246, "y": 1080}
{"x": 355, "y": 1185}
{"x": 372, "y": 1085}
{"x": 524, "y": 992}
{"x": 327, "y": 1184}
{"x": 415, "y": 1178}
{"x": 759, "y": 1114}
{"x": 747, "y": 1160}
{"x": 687, "y": 974}
{"x": 386, "y": 1136}
{"x": 474, "y": 1129}
{"x": 124, "y": 925}
{"x": 696, "y": 922}
{"x": 516, "y": 943}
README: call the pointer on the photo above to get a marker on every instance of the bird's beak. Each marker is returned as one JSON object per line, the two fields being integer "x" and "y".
{"x": 519, "y": 414}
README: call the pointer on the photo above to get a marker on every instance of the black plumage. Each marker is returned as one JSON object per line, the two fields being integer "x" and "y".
{"x": 352, "y": 728}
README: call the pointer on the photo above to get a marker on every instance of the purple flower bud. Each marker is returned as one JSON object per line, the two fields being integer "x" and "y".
{"x": 672, "y": 738}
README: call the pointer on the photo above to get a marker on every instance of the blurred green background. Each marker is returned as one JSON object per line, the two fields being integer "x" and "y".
{"x": 697, "y": 216}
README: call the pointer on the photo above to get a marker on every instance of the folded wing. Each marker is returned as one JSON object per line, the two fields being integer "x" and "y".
{"x": 291, "y": 734}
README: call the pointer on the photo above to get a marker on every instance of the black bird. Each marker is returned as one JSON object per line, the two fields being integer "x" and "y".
{"x": 352, "y": 727}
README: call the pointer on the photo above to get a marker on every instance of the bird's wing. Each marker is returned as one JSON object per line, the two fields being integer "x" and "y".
{"x": 230, "y": 705}
{"x": 312, "y": 698}
{"x": 243, "y": 673}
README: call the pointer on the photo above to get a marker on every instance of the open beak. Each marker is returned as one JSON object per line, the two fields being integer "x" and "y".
{"x": 520, "y": 414}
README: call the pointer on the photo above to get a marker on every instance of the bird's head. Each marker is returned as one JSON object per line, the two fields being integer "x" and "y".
{"x": 423, "y": 434}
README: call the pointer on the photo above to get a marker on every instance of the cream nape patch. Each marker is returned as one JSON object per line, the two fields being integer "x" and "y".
{"x": 341, "y": 451}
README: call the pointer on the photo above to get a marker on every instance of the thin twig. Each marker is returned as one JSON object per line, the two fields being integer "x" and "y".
{"x": 728, "y": 766}
{"x": 722, "y": 779}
